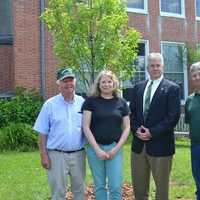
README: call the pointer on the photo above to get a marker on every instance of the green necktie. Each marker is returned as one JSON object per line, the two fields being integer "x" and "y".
{"x": 147, "y": 100}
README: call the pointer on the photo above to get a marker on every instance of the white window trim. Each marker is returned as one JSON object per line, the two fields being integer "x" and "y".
{"x": 185, "y": 71}
{"x": 168, "y": 14}
{"x": 146, "y": 42}
{"x": 146, "y": 56}
{"x": 137, "y": 10}
{"x": 197, "y": 17}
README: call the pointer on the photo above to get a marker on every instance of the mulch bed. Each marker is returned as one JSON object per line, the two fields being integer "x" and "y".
{"x": 127, "y": 193}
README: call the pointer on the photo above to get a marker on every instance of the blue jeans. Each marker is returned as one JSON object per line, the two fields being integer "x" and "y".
{"x": 106, "y": 172}
{"x": 195, "y": 159}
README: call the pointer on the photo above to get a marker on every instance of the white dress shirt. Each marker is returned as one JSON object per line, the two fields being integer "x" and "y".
{"x": 155, "y": 85}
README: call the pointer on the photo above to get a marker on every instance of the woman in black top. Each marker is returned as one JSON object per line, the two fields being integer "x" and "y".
{"x": 106, "y": 125}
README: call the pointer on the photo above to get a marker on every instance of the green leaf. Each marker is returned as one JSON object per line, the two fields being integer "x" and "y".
{"x": 92, "y": 35}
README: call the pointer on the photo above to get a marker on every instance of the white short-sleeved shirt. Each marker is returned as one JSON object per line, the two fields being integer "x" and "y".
{"x": 61, "y": 122}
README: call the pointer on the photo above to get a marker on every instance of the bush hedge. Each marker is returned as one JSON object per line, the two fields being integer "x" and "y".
{"x": 23, "y": 107}
{"x": 18, "y": 137}
{"x": 17, "y": 116}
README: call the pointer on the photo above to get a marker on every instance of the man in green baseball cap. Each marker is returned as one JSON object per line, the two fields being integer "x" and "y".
{"x": 64, "y": 73}
{"x": 61, "y": 141}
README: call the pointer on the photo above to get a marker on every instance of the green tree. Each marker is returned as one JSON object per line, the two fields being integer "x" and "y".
{"x": 91, "y": 35}
{"x": 193, "y": 54}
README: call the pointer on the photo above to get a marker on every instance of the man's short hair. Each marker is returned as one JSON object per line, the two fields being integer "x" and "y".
{"x": 195, "y": 67}
{"x": 155, "y": 56}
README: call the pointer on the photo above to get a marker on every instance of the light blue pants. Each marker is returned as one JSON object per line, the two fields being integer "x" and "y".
{"x": 107, "y": 174}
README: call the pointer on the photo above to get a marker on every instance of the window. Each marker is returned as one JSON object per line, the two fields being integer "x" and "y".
{"x": 175, "y": 65}
{"x": 198, "y": 9}
{"x": 174, "y": 8}
{"x": 5, "y": 22}
{"x": 140, "y": 74}
{"x": 139, "y": 6}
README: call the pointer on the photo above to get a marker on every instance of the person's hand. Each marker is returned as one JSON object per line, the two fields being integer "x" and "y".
{"x": 45, "y": 161}
{"x": 102, "y": 154}
{"x": 112, "y": 153}
{"x": 139, "y": 131}
{"x": 143, "y": 133}
{"x": 147, "y": 134}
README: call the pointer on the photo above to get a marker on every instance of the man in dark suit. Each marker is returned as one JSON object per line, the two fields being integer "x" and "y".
{"x": 155, "y": 110}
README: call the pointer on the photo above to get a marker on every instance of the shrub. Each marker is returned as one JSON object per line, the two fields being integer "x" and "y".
{"x": 23, "y": 107}
{"x": 19, "y": 136}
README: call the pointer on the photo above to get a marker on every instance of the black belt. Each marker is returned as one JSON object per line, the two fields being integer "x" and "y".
{"x": 62, "y": 151}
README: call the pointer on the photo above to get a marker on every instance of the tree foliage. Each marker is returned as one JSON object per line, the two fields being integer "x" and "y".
{"x": 193, "y": 54}
{"x": 91, "y": 35}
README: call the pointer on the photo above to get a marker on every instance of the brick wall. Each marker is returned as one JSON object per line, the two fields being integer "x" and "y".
{"x": 27, "y": 49}
{"x": 20, "y": 65}
{"x": 156, "y": 28}
{"x": 51, "y": 67}
{"x": 6, "y": 68}
{"x": 26, "y": 43}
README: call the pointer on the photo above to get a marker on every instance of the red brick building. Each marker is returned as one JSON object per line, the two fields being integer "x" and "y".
{"x": 26, "y": 56}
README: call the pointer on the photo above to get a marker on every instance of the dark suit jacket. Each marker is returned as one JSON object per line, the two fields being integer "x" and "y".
{"x": 163, "y": 115}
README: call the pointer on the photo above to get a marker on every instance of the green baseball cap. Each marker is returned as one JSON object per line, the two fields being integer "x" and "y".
{"x": 64, "y": 73}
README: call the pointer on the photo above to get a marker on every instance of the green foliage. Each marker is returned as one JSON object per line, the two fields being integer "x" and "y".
{"x": 91, "y": 35}
{"x": 193, "y": 54}
{"x": 19, "y": 136}
{"x": 23, "y": 107}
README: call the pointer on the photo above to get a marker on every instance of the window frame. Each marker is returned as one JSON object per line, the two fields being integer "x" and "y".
{"x": 185, "y": 70}
{"x": 7, "y": 38}
{"x": 169, "y": 14}
{"x": 146, "y": 43}
{"x": 197, "y": 17}
{"x": 137, "y": 10}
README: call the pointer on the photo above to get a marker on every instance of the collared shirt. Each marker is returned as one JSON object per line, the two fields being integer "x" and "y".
{"x": 192, "y": 116}
{"x": 61, "y": 121}
{"x": 155, "y": 85}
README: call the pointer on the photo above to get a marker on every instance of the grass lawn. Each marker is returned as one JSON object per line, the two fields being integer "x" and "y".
{"x": 22, "y": 178}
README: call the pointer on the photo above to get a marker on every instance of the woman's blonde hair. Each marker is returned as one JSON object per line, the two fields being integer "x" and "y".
{"x": 95, "y": 90}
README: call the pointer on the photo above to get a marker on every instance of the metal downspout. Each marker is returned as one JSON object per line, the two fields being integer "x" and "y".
{"x": 42, "y": 52}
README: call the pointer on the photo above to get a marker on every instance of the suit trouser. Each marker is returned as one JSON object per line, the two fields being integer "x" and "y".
{"x": 141, "y": 166}
{"x": 62, "y": 165}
